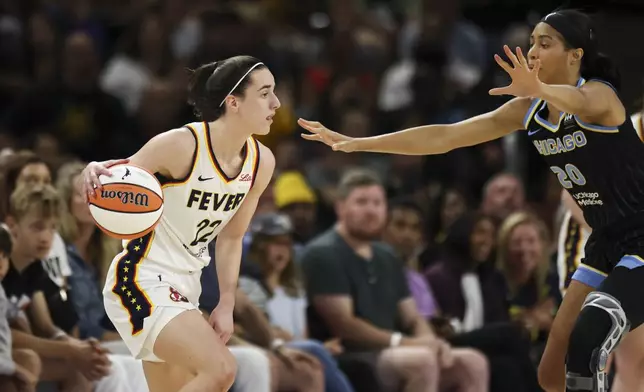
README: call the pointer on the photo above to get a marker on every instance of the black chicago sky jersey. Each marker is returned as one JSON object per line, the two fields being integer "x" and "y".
{"x": 601, "y": 167}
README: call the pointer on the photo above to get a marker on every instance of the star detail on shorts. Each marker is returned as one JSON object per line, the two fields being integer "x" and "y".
{"x": 123, "y": 288}
{"x": 125, "y": 278}
{"x": 138, "y": 307}
{"x": 137, "y": 248}
{"x": 133, "y": 300}
{"x": 127, "y": 261}
{"x": 129, "y": 293}
{"x": 126, "y": 269}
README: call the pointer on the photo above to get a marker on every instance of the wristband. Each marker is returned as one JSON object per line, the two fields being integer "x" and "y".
{"x": 277, "y": 343}
{"x": 395, "y": 339}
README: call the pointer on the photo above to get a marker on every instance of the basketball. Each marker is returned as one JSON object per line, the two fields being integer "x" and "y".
{"x": 130, "y": 203}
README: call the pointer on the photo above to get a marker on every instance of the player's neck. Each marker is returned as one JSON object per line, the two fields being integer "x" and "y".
{"x": 227, "y": 139}
{"x": 566, "y": 79}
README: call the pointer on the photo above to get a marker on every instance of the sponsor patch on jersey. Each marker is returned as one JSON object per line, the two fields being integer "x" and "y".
{"x": 176, "y": 296}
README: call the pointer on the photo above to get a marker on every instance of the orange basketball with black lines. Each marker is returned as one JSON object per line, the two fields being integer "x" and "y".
{"x": 129, "y": 203}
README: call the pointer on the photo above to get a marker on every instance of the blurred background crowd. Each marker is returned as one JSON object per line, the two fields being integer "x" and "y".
{"x": 84, "y": 80}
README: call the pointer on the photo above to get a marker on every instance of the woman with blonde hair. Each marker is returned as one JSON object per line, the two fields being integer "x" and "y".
{"x": 523, "y": 256}
{"x": 89, "y": 251}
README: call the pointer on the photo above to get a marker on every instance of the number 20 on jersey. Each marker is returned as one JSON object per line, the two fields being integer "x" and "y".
{"x": 569, "y": 176}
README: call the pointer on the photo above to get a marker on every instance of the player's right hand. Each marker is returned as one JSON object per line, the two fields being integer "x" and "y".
{"x": 89, "y": 176}
{"x": 92, "y": 363}
{"x": 320, "y": 133}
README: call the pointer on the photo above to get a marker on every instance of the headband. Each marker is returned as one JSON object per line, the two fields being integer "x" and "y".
{"x": 577, "y": 38}
{"x": 239, "y": 81}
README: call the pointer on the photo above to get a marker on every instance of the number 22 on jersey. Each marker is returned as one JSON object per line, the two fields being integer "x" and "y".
{"x": 205, "y": 228}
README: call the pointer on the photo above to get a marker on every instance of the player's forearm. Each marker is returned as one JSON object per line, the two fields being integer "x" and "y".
{"x": 568, "y": 99}
{"x": 228, "y": 253}
{"x": 423, "y": 140}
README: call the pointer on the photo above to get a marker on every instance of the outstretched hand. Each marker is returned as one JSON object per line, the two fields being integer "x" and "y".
{"x": 320, "y": 133}
{"x": 525, "y": 78}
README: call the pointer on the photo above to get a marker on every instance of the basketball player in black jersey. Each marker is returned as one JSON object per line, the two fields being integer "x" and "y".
{"x": 566, "y": 100}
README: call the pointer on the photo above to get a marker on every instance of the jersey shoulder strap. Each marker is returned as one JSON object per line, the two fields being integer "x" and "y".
{"x": 532, "y": 110}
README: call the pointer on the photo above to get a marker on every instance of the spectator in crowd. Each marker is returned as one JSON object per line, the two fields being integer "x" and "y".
{"x": 19, "y": 368}
{"x": 90, "y": 252}
{"x": 63, "y": 361}
{"x": 24, "y": 168}
{"x": 33, "y": 216}
{"x": 290, "y": 369}
{"x": 294, "y": 197}
{"x": 76, "y": 111}
{"x": 279, "y": 293}
{"x": 143, "y": 54}
{"x": 502, "y": 195}
{"x": 450, "y": 204}
{"x": 523, "y": 257}
{"x": 28, "y": 169}
{"x": 466, "y": 283}
{"x": 471, "y": 293}
{"x": 358, "y": 291}
{"x": 404, "y": 233}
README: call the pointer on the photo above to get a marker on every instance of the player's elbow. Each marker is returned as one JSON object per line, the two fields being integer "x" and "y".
{"x": 548, "y": 380}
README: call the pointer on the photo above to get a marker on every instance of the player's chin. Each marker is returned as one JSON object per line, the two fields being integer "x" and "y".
{"x": 263, "y": 130}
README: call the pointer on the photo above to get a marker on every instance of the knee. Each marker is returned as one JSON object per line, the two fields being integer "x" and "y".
{"x": 222, "y": 376}
{"x": 425, "y": 364}
{"x": 29, "y": 360}
{"x": 474, "y": 363}
{"x": 315, "y": 373}
{"x": 316, "y": 349}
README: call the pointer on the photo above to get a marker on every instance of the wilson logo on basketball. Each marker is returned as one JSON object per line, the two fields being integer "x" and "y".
{"x": 128, "y": 198}
{"x": 138, "y": 199}
{"x": 246, "y": 177}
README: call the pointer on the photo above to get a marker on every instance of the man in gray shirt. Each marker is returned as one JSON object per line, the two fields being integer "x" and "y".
{"x": 357, "y": 290}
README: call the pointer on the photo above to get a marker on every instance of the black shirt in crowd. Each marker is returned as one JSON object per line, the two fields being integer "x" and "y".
{"x": 21, "y": 286}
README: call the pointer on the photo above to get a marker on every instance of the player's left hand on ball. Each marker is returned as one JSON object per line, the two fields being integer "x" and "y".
{"x": 221, "y": 321}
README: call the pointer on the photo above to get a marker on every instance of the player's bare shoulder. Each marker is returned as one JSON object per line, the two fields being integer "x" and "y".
{"x": 171, "y": 153}
{"x": 266, "y": 167}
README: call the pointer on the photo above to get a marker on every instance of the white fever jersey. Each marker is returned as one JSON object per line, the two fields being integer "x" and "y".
{"x": 197, "y": 207}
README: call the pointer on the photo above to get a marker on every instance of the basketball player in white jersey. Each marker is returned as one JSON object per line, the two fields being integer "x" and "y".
{"x": 212, "y": 173}
{"x": 573, "y": 233}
